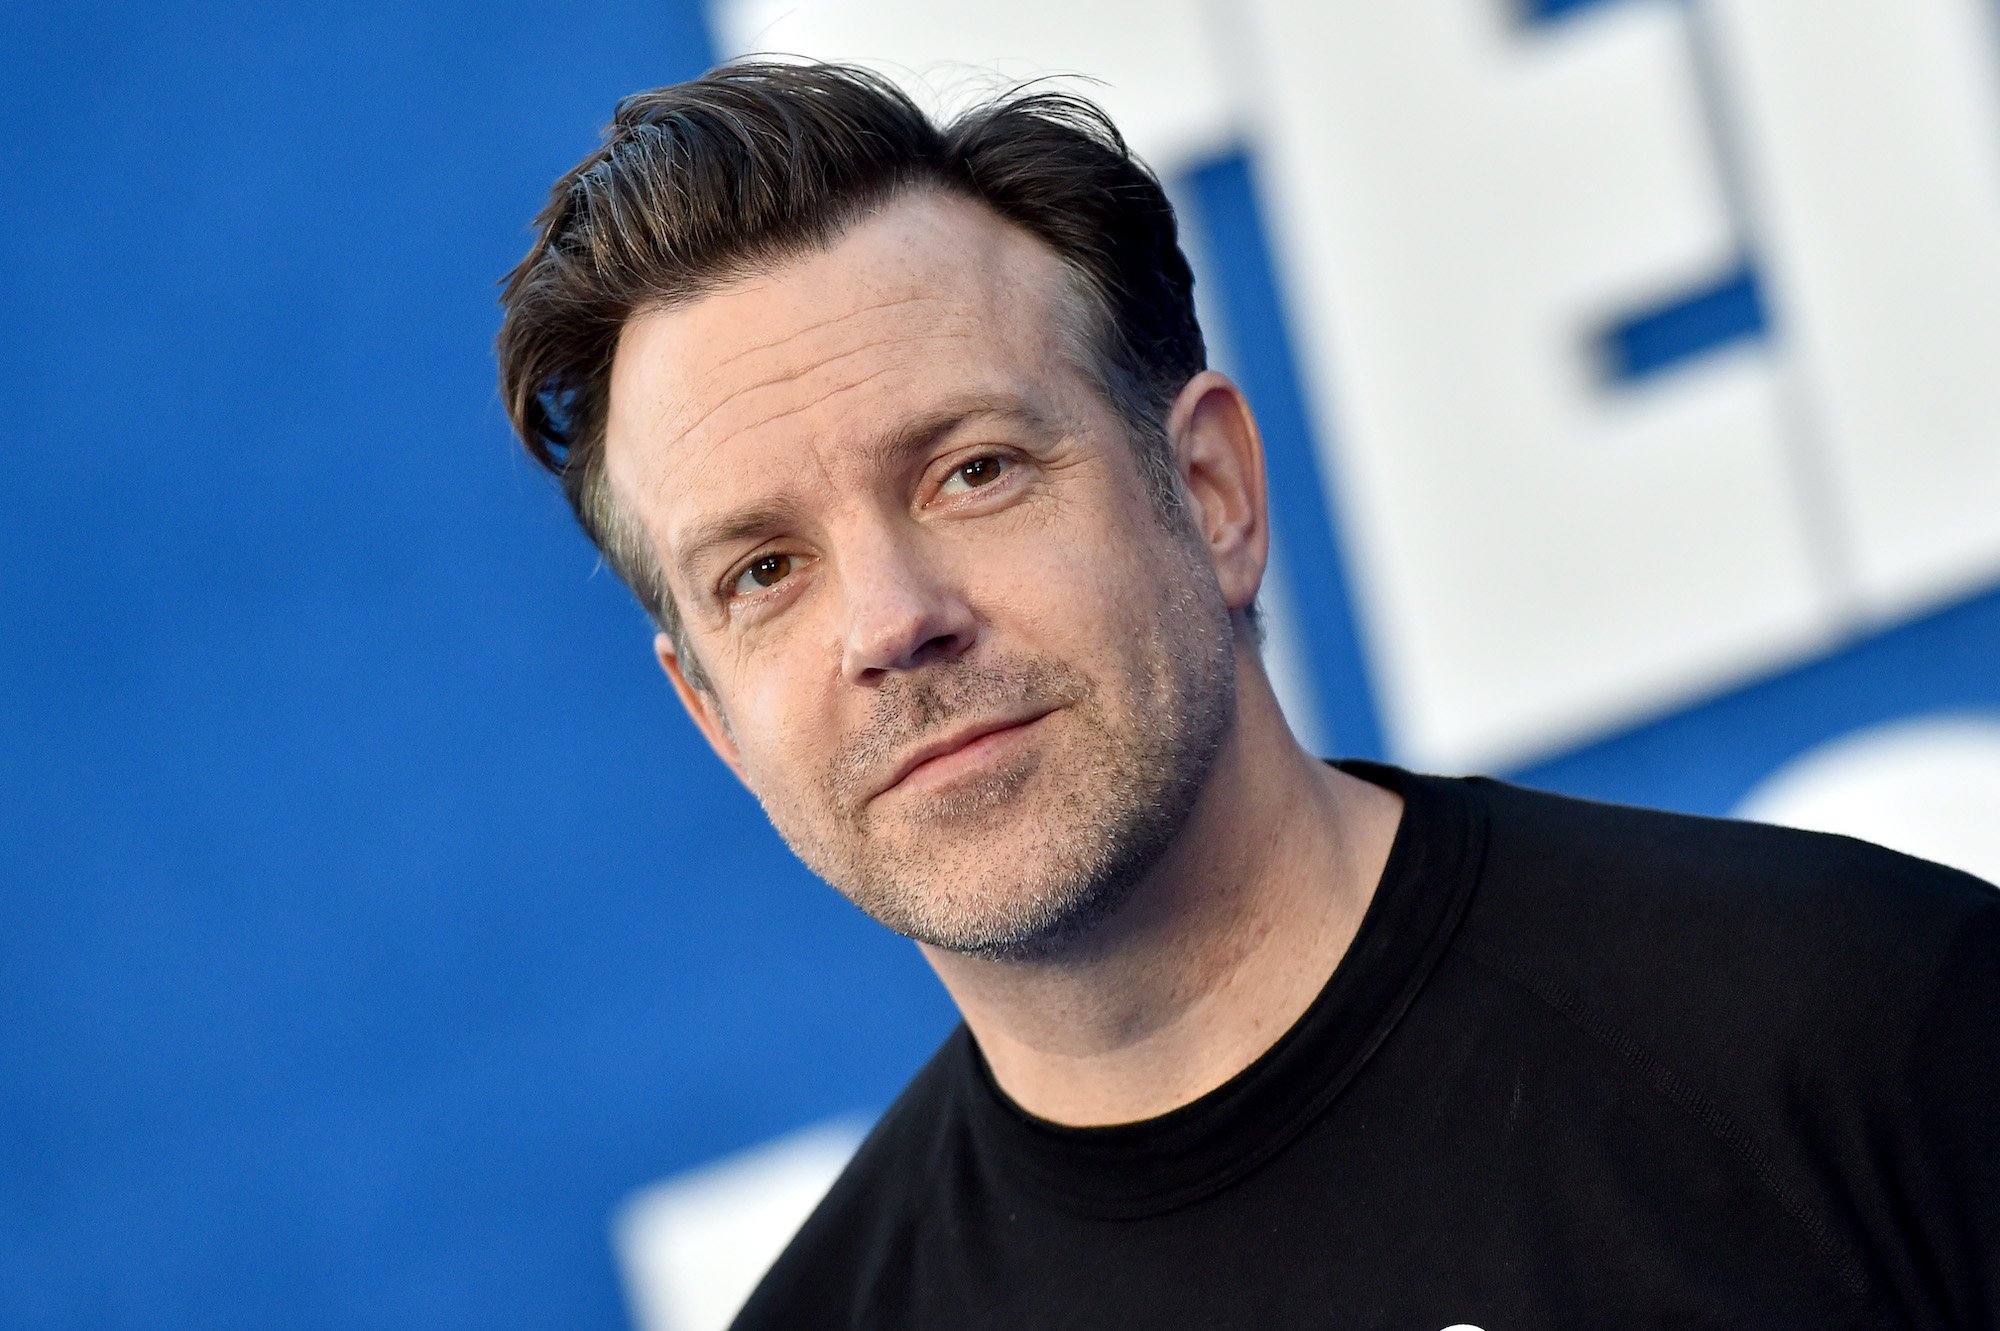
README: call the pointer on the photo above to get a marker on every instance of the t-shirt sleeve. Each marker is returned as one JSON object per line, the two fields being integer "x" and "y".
{"x": 1945, "y": 1148}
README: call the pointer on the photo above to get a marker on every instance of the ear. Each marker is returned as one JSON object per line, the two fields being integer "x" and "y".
{"x": 701, "y": 707}
{"x": 1221, "y": 460}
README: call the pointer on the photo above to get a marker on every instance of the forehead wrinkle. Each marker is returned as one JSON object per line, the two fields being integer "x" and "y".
{"x": 818, "y": 324}
{"x": 782, "y": 380}
{"x": 987, "y": 290}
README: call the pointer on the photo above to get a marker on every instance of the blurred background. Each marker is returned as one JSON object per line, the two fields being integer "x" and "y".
{"x": 382, "y": 949}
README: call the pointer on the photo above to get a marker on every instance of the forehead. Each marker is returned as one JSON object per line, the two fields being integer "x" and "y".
{"x": 930, "y": 299}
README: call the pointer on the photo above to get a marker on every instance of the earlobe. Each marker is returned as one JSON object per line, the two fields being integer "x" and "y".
{"x": 1221, "y": 459}
{"x": 701, "y": 706}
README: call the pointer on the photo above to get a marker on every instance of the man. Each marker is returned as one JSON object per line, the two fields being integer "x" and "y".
{"x": 904, "y": 436}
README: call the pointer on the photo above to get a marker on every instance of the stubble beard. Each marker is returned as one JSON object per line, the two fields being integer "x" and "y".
{"x": 1029, "y": 857}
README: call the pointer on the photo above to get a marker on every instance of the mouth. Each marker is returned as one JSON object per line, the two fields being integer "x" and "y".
{"x": 962, "y": 752}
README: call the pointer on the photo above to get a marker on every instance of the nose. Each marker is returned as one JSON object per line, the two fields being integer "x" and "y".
{"x": 903, "y": 610}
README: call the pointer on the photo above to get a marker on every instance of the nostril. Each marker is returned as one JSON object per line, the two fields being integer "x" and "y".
{"x": 944, "y": 644}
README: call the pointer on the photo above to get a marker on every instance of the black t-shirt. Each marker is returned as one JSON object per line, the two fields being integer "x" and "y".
{"x": 1582, "y": 1066}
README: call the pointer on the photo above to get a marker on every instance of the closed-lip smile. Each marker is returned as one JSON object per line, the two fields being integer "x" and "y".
{"x": 957, "y": 741}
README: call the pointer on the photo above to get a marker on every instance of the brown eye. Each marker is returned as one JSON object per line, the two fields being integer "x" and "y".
{"x": 763, "y": 571}
{"x": 971, "y": 475}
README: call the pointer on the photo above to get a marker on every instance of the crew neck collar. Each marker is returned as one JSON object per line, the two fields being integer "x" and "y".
{"x": 1135, "y": 1169}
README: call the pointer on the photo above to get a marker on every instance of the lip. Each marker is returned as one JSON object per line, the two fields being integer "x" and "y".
{"x": 957, "y": 741}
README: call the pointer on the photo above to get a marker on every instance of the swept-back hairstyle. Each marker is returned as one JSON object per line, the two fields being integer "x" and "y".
{"x": 751, "y": 164}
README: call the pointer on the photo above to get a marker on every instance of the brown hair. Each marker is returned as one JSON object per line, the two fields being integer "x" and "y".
{"x": 701, "y": 182}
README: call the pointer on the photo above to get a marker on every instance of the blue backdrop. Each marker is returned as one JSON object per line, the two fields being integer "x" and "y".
{"x": 373, "y": 920}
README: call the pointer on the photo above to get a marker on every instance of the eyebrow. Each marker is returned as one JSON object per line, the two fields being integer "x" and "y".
{"x": 894, "y": 446}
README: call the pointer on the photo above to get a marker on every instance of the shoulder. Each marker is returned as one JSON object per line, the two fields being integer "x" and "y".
{"x": 832, "y": 1271}
{"x": 1715, "y": 933}
{"x": 1609, "y": 868}
{"x": 1823, "y": 1007}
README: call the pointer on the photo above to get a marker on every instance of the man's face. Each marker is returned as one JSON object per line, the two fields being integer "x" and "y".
{"x": 974, "y": 676}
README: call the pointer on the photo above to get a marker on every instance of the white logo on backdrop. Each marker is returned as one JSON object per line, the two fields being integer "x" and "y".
{"x": 1925, "y": 786}
{"x": 692, "y": 1248}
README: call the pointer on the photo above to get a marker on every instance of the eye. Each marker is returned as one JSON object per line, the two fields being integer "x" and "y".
{"x": 761, "y": 572}
{"x": 971, "y": 475}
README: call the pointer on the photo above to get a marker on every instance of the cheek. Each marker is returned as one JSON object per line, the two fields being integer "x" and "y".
{"x": 1094, "y": 579}
{"x": 778, "y": 720}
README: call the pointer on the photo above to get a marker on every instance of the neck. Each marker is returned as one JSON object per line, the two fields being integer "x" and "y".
{"x": 1223, "y": 946}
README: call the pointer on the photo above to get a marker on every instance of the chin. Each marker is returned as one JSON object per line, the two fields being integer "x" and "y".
{"x": 1024, "y": 888}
